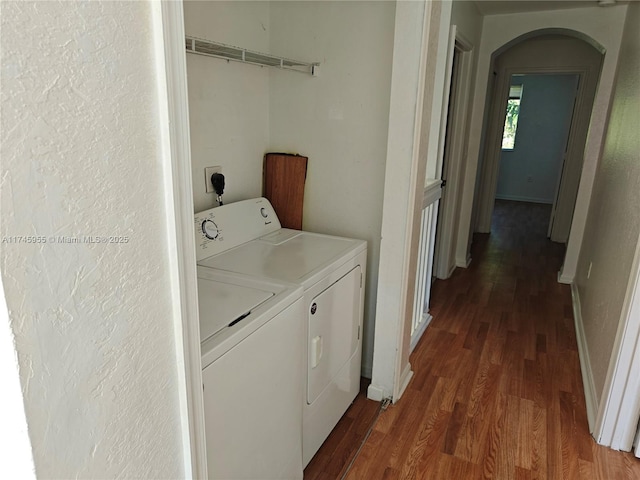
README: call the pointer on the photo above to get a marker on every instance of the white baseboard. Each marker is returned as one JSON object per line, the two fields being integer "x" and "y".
{"x": 590, "y": 395}
{"x": 375, "y": 393}
{"x": 567, "y": 280}
{"x": 451, "y": 270}
{"x": 405, "y": 378}
{"x": 417, "y": 335}
{"x": 464, "y": 263}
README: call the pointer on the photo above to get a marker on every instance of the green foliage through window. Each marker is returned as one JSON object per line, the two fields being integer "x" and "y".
{"x": 511, "y": 118}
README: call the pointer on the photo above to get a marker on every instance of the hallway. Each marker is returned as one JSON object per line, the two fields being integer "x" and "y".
{"x": 497, "y": 390}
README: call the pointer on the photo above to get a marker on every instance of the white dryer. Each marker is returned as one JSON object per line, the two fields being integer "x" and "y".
{"x": 252, "y": 376}
{"x": 246, "y": 237}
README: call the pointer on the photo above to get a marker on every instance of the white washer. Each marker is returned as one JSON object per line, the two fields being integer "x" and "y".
{"x": 252, "y": 376}
{"x": 246, "y": 237}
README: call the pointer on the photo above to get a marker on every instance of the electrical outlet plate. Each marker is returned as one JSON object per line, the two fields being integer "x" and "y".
{"x": 208, "y": 171}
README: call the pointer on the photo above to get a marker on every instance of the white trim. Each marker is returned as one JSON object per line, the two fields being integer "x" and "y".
{"x": 174, "y": 110}
{"x": 446, "y": 94}
{"x": 465, "y": 263}
{"x": 417, "y": 335}
{"x": 407, "y": 78}
{"x": 404, "y": 321}
{"x": 618, "y": 420}
{"x": 497, "y": 100}
{"x": 431, "y": 193}
{"x": 439, "y": 95}
{"x": 565, "y": 280}
{"x": 590, "y": 396}
{"x": 463, "y": 215}
{"x": 405, "y": 378}
{"x": 404, "y": 184}
{"x": 375, "y": 393}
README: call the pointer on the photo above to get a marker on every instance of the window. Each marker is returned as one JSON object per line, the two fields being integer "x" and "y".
{"x": 511, "y": 119}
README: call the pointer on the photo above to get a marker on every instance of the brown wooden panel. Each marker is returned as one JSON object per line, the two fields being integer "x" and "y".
{"x": 284, "y": 177}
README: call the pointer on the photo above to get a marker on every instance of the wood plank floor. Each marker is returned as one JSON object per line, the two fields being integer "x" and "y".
{"x": 497, "y": 391}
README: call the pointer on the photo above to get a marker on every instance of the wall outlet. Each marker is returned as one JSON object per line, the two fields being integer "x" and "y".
{"x": 208, "y": 171}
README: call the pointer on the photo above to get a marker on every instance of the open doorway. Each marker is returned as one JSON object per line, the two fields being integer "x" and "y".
{"x": 537, "y": 120}
{"x": 454, "y": 148}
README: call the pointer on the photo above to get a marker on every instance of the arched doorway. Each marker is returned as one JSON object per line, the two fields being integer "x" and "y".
{"x": 546, "y": 52}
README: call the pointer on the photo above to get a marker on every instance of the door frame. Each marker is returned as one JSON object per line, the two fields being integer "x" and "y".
{"x": 411, "y": 109}
{"x": 556, "y": 193}
{"x": 446, "y": 234}
{"x": 168, "y": 20}
{"x": 617, "y": 419}
{"x": 493, "y": 145}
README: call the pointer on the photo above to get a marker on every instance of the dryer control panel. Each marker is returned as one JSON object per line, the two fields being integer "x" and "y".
{"x": 221, "y": 228}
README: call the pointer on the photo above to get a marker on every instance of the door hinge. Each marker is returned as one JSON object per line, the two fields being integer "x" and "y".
{"x": 358, "y": 332}
{"x": 443, "y": 184}
{"x": 360, "y": 279}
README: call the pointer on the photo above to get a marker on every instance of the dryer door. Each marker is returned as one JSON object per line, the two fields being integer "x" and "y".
{"x": 333, "y": 320}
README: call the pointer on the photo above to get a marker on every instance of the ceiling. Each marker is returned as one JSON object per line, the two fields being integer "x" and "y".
{"x": 491, "y": 7}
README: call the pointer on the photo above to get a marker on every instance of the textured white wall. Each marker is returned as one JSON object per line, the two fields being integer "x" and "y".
{"x": 93, "y": 323}
{"x": 228, "y": 101}
{"x": 613, "y": 225}
{"x": 541, "y": 138}
{"x": 339, "y": 119}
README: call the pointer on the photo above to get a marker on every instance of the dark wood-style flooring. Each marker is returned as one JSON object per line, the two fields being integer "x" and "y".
{"x": 497, "y": 391}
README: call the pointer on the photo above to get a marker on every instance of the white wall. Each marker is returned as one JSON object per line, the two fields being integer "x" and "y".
{"x": 466, "y": 17}
{"x": 93, "y": 323}
{"x": 339, "y": 119}
{"x": 530, "y": 171}
{"x": 604, "y": 25}
{"x": 228, "y": 101}
{"x": 613, "y": 226}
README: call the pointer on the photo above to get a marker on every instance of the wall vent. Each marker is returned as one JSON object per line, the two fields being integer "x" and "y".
{"x": 230, "y": 53}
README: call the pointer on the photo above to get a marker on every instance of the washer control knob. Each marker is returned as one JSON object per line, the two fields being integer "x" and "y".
{"x": 263, "y": 212}
{"x": 210, "y": 229}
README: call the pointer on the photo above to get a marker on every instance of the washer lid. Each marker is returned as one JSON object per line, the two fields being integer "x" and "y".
{"x": 293, "y": 260}
{"x": 222, "y": 303}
